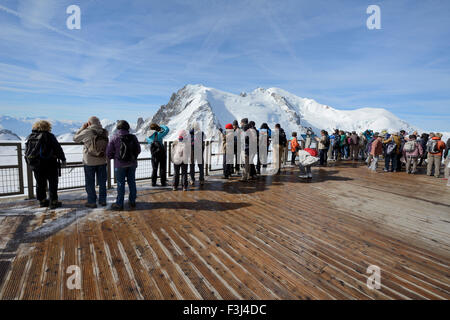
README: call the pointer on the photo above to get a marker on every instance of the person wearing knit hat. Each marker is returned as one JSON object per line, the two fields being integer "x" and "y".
{"x": 229, "y": 126}
{"x": 155, "y": 138}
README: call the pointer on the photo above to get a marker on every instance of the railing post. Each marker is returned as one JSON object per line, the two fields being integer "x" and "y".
{"x": 30, "y": 183}
{"x": 169, "y": 169}
{"x": 167, "y": 163}
{"x": 108, "y": 166}
{"x": 20, "y": 164}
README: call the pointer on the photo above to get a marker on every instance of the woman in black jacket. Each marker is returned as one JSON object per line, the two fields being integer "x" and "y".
{"x": 43, "y": 154}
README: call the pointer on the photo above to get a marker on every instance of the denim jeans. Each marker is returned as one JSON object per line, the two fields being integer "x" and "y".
{"x": 90, "y": 172}
{"x": 304, "y": 169}
{"x": 130, "y": 174}
{"x": 323, "y": 154}
{"x": 390, "y": 158}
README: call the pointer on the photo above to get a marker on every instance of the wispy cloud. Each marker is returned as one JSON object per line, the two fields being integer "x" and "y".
{"x": 130, "y": 55}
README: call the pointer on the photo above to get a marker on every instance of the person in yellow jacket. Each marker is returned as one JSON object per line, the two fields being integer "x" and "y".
{"x": 392, "y": 152}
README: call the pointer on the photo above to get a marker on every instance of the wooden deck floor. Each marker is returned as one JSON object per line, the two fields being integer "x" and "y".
{"x": 277, "y": 238}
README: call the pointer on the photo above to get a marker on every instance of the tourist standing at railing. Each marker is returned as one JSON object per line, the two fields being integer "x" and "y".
{"x": 295, "y": 146}
{"x": 237, "y": 146}
{"x": 158, "y": 151}
{"x": 197, "y": 139}
{"x": 279, "y": 144}
{"x": 435, "y": 148}
{"x": 180, "y": 158}
{"x": 324, "y": 144}
{"x": 423, "y": 140}
{"x": 227, "y": 165}
{"x": 265, "y": 135}
{"x": 43, "y": 154}
{"x": 124, "y": 148}
{"x": 412, "y": 151}
{"x": 255, "y": 151}
{"x": 245, "y": 144}
{"x": 95, "y": 140}
{"x": 376, "y": 150}
{"x": 354, "y": 145}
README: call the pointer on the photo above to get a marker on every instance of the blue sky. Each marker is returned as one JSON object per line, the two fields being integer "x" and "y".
{"x": 130, "y": 56}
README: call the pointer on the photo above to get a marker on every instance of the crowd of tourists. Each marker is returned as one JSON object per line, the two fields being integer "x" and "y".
{"x": 244, "y": 147}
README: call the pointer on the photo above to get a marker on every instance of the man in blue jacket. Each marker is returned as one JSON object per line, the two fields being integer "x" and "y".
{"x": 158, "y": 151}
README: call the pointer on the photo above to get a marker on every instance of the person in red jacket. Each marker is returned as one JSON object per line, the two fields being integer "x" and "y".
{"x": 295, "y": 146}
{"x": 435, "y": 148}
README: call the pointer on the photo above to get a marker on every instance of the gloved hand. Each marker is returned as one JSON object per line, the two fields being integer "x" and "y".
{"x": 63, "y": 164}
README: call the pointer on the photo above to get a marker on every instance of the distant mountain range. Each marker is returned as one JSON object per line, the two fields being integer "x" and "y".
{"x": 213, "y": 109}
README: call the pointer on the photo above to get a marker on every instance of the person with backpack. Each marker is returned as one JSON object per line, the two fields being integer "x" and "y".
{"x": 412, "y": 150}
{"x": 376, "y": 150}
{"x": 323, "y": 145}
{"x": 254, "y": 152}
{"x": 369, "y": 148}
{"x": 197, "y": 139}
{"x": 95, "y": 140}
{"x": 278, "y": 147}
{"x": 265, "y": 135}
{"x": 435, "y": 149}
{"x": 354, "y": 146}
{"x": 124, "y": 148}
{"x": 362, "y": 146}
{"x": 158, "y": 152}
{"x": 343, "y": 145}
{"x": 336, "y": 145}
{"x": 423, "y": 140}
{"x": 392, "y": 151}
{"x": 180, "y": 158}
{"x": 44, "y": 155}
{"x": 295, "y": 146}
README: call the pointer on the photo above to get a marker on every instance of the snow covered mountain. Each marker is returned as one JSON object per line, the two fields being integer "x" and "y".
{"x": 213, "y": 109}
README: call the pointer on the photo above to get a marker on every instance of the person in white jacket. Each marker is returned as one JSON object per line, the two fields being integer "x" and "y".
{"x": 180, "y": 158}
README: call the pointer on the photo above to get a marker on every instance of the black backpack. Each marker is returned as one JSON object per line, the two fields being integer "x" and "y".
{"x": 327, "y": 141}
{"x": 36, "y": 149}
{"x": 128, "y": 148}
{"x": 282, "y": 139}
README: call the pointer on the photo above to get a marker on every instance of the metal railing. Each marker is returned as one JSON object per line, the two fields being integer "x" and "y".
{"x": 11, "y": 176}
{"x": 13, "y": 182}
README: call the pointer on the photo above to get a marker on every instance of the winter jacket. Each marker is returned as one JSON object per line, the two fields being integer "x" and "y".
{"x": 376, "y": 148}
{"x": 159, "y": 135}
{"x": 51, "y": 147}
{"x": 113, "y": 150}
{"x": 306, "y": 159}
{"x": 354, "y": 139}
{"x": 322, "y": 142}
{"x": 418, "y": 152}
{"x": 86, "y": 136}
{"x": 342, "y": 141}
{"x": 397, "y": 140}
{"x": 440, "y": 146}
{"x": 180, "y": 153}
{"x": 294, "y": 144}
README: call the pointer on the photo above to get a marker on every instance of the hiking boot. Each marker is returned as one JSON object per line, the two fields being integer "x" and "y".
{"x": 309, "y": 175}
{"x": 132, "y": 205}
{"x": 163, "y": 184}
{"x": 55, "y": 204}
{"x": 103, "y": 204}
{"x": 174, "y": 188}
{"x": 90, "y": 205}
{"x": 44, "y": 203}
{"x": 185, "y": 188}
{"x": 385, "y": 170}
{"x": 116, "y": 207}
{"x": 202, "y": 182}
{"x": 303, "y": 176}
